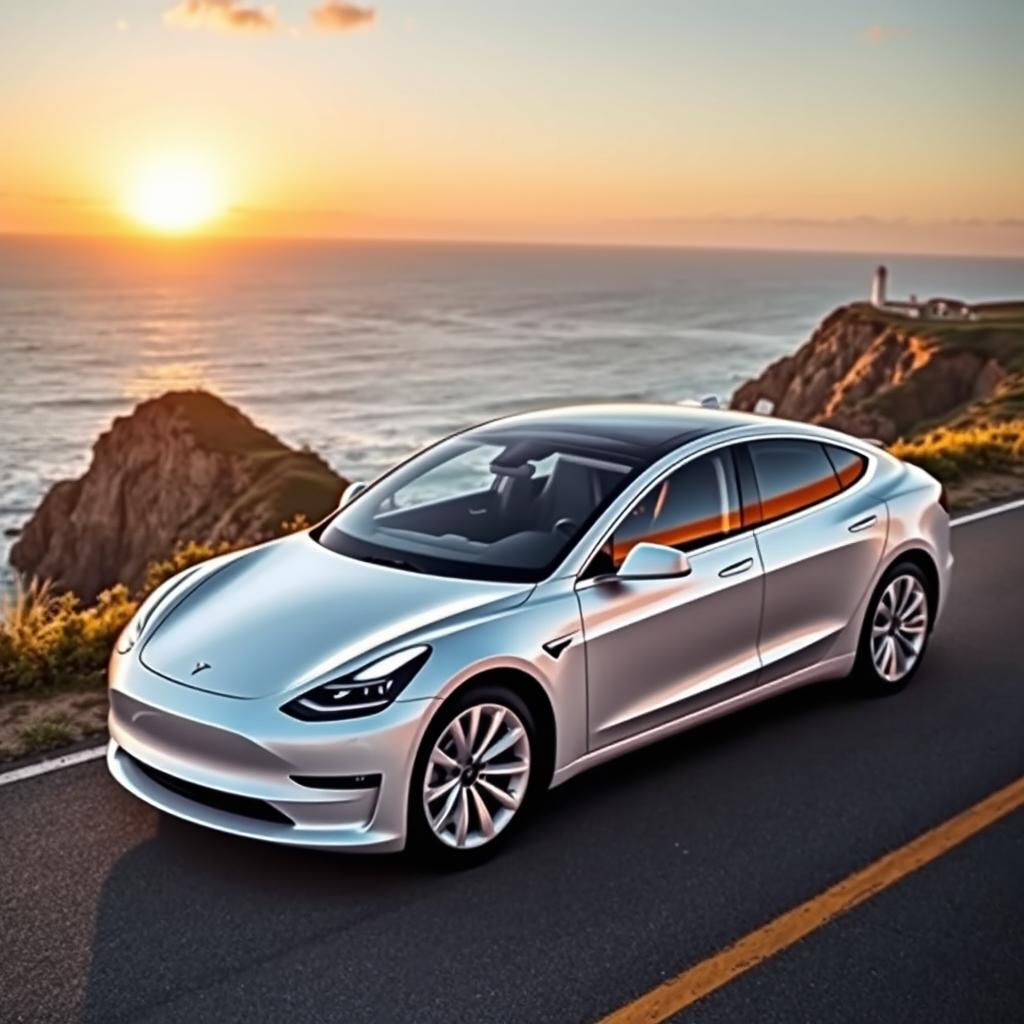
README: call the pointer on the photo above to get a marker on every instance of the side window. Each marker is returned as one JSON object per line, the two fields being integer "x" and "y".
{"x": 698, "y": 504}
{"x": 791, "y": 475}
{"x": 849, "y": 466}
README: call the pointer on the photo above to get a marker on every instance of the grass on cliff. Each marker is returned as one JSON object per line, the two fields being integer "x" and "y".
{"x": 977, "y": 449}
{"x": 951, "y": 454}
{"x": 997, "y": 335}
{"x": 986, "y": 436}
{"x": 287, "y": 481}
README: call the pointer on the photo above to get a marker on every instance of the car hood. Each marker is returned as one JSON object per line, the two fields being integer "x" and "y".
{"x": 287, "y": 613}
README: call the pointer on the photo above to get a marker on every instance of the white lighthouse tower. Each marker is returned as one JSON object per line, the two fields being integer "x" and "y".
{"x": 878, "y": 287}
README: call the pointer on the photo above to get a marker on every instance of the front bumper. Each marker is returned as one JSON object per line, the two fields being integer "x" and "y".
{"x": 232, "y": 764}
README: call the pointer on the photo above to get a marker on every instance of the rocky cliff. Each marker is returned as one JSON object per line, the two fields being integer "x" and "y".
{"x": 185, "y": 466}
{"x": 879, "y": 374}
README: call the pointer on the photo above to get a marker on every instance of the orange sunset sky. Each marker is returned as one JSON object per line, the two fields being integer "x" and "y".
{"x": 834, "y": 125}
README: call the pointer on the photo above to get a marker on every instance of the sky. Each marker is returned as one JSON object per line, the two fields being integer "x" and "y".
{"x": 893, "y": 126}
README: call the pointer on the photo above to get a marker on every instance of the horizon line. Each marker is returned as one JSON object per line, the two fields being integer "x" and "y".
{"x": 200, "y": 238}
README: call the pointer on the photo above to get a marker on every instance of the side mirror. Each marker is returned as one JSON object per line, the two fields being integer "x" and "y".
{"x": 351, "y": 492}
{"x": 653, "y": 561}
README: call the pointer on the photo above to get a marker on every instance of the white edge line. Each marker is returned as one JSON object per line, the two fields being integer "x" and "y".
{"x": 985, "y": 513}
{"x": 52, "y": 764}
{"x": 92, "y": 753}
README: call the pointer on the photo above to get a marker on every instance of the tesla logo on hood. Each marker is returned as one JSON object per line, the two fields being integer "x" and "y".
{"x": 201, "y": 666}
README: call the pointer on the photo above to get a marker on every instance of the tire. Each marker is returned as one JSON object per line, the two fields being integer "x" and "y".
{"x": 451, "y": 828}
{"x": 896, "y": 630}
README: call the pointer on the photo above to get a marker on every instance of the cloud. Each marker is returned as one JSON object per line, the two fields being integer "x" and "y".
{"x": 338, "y": 16}
{"x": 224, "y": 15}
{"x": 852, "y": 223}
{"x": 879, "y": 34}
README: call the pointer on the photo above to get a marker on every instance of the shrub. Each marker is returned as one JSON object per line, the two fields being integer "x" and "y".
{"x": 951, "y": 454}
{"x": 49, "y": 642}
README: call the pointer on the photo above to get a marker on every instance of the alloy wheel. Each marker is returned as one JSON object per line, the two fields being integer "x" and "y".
{"x": 899, "y": 628}
{"x": 477, "y": 776}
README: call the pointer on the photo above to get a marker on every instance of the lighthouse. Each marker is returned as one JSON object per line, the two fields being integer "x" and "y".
{"x": 878, "y": 287}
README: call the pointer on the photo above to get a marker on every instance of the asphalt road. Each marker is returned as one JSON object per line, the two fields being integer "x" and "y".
{"x": 110, "y": 912}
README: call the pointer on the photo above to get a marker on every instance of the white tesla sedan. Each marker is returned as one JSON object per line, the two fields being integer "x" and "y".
{"x": 513, "y": 605}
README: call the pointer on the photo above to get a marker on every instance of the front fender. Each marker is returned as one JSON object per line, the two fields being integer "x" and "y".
{"x": 513, "y": 641}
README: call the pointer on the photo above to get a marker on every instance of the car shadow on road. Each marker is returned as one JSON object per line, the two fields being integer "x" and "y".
{"x": 190, "y": 910}
{"x": 188, "y": 907}
{"x": 724, "y": 736}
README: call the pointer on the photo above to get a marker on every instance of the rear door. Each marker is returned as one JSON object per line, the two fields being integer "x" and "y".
{"x": 820, "y": 540}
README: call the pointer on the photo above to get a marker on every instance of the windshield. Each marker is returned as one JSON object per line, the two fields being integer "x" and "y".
{"x": 481, "y": 507}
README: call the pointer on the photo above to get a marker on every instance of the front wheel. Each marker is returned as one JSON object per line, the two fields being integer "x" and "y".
{"x": 473, "y": 775}
{"x": 896, "y": 630}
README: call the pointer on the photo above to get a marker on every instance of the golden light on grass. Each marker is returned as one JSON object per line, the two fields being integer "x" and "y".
{"x": 176, "y": 195}
{"x": 954, "y": 452}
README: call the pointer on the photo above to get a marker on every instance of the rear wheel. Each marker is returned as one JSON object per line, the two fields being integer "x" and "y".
{"x": 473, "y": 777}
{"x": 896, "y": 630}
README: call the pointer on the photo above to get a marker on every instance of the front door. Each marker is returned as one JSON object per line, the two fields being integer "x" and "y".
{"x": 660, "y": 648}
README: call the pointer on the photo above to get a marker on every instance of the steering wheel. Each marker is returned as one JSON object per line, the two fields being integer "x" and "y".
{"x": 566, "y": 526}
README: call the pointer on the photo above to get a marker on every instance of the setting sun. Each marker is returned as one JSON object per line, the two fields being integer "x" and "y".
{"x": 176, "y": 196}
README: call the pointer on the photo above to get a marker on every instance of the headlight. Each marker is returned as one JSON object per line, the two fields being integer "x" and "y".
{"x": 132, "y": 633}
{"x": 365, "y": 692}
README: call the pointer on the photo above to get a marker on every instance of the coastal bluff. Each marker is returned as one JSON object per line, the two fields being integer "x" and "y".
{"x": 185, "y": 466}
{"x": 876, "y": 373}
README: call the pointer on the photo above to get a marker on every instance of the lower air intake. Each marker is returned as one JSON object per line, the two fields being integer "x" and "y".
{"x": 244, "y": 806}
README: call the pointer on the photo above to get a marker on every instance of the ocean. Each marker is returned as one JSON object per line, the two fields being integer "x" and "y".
{"x": 366, "y": 351}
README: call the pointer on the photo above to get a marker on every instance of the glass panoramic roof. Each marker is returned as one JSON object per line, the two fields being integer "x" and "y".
{"x": 643, "y": 430}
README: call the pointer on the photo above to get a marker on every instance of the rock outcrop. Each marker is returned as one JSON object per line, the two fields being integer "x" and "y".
{"x": 876, "y": 374}
{"x": 185, "y": 466}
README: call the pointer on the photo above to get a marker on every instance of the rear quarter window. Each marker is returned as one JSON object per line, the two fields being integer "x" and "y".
{"x": 849, "y": 466}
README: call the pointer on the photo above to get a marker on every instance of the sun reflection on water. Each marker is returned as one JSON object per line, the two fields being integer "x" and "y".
{"x": 151, "y": 381}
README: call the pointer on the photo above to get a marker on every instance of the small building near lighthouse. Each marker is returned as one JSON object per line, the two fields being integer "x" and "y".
{"x": 932, "y": 309}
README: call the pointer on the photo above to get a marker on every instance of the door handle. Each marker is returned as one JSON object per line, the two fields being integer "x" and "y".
{"x": 737, "y": 568}
{"x": 862, "y": 524}
{"x": 477, "y": 511}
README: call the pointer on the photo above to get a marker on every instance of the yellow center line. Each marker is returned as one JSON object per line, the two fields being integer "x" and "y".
{"x": 700, "y": 980}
